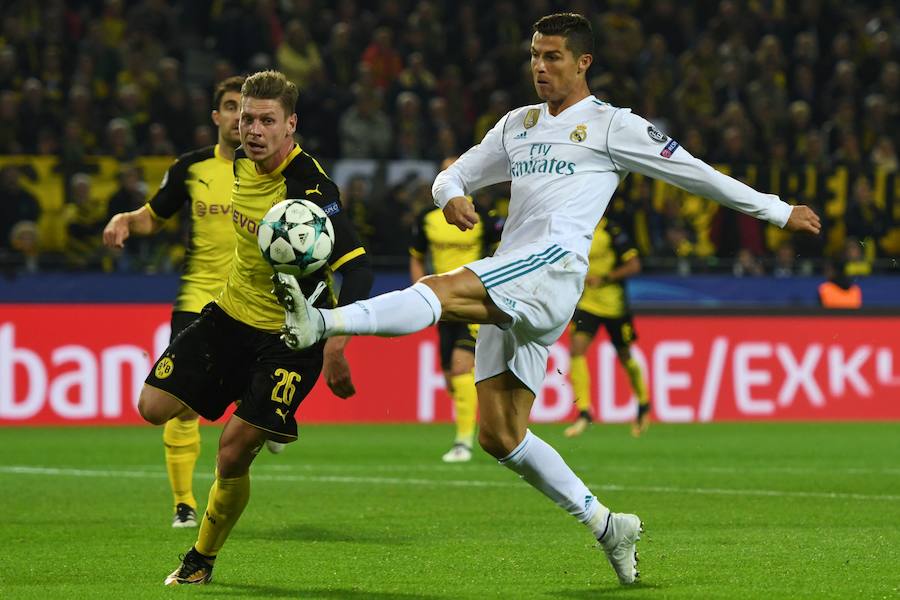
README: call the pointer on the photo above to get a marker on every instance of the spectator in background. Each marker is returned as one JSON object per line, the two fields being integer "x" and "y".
{"x": 382, "y": 58}
{"x": 340, "y": 58}
{"x": 158, "y": 142}
{"x": 355, "y": 200}
{"x": 365, "y": 130}
{"x": 785, "y": 264}
{"x": 140, "y": 252}
{"x": 864, "y": 219}
{"x": 203, "y": 136}
{"x": 85, "y": 217}
{"x": 854, "y": 257}
{"x": 34, "y": 109}
{"x": 9, "y": 123}
{"x": 120, "y": 142}
{"x": 298, "y": 56}
{"x": 131, "y": 108}
{"x": 10, "y": 75}
{"x": 17, "y": 206}
{"x": 415, "y": 78}
{"x": 409, "y": 127}
{"x": 25, "y": 245}
{"x": 884, "y": 155}
{"x": 798, "y": 125}
{"x": 497, "y": 107}
{"x": 747, "y": 265}
{"x": 839, "y": 291}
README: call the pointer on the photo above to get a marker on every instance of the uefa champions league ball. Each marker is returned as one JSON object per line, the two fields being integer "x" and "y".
{"x": 296, "y": 237}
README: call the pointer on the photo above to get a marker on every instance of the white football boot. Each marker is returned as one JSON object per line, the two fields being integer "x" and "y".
{"x": 275, "y": 447}
{"x": 458, "y": 453}
{"x": 303, "y": 323}
{"x": 620, "y": 545}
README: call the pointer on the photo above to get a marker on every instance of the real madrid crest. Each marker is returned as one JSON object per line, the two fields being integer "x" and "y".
{"x": 531, "y": 117}
{"x": 656, "y": 135}
{"x": 579, "y": 134}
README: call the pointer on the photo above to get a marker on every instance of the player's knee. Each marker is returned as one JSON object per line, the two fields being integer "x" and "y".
{"x": 150, "y": 409}
{"x": 496, "y": 444}
{"x": 234, "y": 458}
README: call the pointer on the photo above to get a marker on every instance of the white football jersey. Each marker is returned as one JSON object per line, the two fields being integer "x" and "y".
{"x": 565, "y": 168}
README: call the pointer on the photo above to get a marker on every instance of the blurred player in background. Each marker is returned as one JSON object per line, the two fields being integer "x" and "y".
{"x": 604, "y": 302}
{"x": 565, "y": 158}
{"x": 200, "y": 183}
{"x": 233, "y": 350}
{"x": 449, "y": 248}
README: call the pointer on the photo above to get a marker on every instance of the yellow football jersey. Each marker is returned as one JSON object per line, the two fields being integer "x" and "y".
{"x": 247, "y": 295}
{"x": 200, "y": 181}
{"x": 610, "y": 247}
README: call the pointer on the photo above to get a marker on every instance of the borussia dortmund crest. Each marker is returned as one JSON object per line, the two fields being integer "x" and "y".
{"x": 579, "y": 134}
{"x": 164, "y": 368}
{"x": 531, "y": 117}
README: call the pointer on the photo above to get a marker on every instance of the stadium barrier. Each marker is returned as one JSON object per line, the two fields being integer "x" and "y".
{"x": 85, "y": 364}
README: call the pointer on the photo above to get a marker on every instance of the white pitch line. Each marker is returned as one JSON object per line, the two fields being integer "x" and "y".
{"x": 653, "y": 489}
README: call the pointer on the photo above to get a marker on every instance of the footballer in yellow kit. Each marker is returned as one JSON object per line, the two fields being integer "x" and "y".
{"x": 449, "y": 248}
{"x": 234, "y": 352}
{"x": 199, "y": 183}
{"x": 612, "y": 259}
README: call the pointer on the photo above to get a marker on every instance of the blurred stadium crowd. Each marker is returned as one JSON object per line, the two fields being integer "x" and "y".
{"x": 797, "y": 98}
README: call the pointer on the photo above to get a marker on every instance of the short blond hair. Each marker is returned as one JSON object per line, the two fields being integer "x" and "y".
{"x": 272, "y": 85}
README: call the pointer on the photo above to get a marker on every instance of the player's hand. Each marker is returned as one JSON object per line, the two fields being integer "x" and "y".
{"x": 460, "y": 212}
{"x": 337, "y": 372}
{"x": 116, "y": 231}
{"x": 804, "y": 219}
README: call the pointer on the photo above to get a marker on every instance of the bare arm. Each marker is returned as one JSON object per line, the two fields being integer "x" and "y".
{"x": 336, "y": 369}
{"x": 629, "y": 268}
{"x": 416, "y": 268}
{"x": 122, "y": 225}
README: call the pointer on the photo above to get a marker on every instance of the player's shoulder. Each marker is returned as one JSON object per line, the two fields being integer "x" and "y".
{"x": 524, "y": 116}
{"x": 302, "y": 165}
{"x": 427, "y": 212}
{"x": 197, "y": 155}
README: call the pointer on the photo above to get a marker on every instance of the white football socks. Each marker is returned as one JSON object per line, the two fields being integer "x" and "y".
{"x": 395, "y": 313}
{"x": 540, "y": 465}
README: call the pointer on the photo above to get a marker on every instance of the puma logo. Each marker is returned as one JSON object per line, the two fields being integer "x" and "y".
{"x": 206, "y": 183}
{"x": 315, "y": 190}
{"x": 282, "y": 413}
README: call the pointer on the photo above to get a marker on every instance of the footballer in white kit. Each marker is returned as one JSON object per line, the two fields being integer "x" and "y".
{"x": 563, "y": 171}
{"x": 564, "y": 158}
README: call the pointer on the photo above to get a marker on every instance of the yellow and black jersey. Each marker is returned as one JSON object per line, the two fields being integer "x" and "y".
{"x": 448, "y": 247}
{"x": 248, "y": 296}
{"x": 611, "y": 247}
{"x": 201, "y": 182}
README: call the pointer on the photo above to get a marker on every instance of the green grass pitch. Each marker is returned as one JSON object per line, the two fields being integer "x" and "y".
{"x": 369, "y": 512}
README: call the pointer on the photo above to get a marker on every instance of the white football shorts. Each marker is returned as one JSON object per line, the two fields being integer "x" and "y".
{"x": 538, "y": 286}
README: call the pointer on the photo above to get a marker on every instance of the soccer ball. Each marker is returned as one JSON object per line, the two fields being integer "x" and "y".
{"x": 296, "y": 237}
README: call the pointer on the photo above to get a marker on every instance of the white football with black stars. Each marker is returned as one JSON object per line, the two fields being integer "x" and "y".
{"x": 296, "y": 237}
